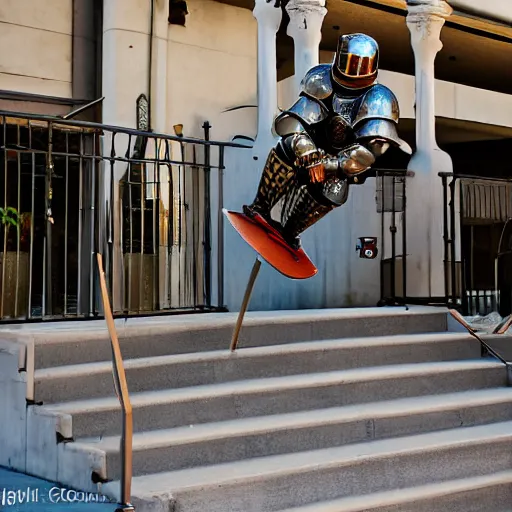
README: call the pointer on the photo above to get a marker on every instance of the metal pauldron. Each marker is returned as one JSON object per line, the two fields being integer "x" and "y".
{"x": 317, "y": 82}
{"x": 305, "y": 110}
{"x": 378, "y": 103}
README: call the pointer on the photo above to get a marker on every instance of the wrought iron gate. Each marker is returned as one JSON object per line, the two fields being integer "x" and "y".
{"x": 71, "y": 189}
{"x": 478, "y": 243}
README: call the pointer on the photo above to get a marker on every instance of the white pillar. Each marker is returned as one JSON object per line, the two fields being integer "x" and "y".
{"x": 425, "y": 249}
{"x": 305, "y": 27}
{"x": 268, "y": 17}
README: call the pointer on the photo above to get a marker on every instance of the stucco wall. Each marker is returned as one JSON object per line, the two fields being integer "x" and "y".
{"x": 212, "y": 67}
{"x": 36, "y": 43}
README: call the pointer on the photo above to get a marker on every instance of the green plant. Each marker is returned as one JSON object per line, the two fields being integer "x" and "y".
{"x": 9, "y": 216}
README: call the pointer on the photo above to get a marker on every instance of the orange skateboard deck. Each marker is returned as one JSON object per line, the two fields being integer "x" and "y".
{"x": 271, "y": 246}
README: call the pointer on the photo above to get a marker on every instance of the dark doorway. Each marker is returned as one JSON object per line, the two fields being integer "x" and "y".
{"x": 485, "y": 186}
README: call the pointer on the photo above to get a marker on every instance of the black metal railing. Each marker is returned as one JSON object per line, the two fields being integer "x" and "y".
{"x": 391, "y": 204}
{"x": 477, "y": 243}
{"x": 71, "y": 189}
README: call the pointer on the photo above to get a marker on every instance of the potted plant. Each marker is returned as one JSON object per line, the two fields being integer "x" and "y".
{"x": 14, "y": 263}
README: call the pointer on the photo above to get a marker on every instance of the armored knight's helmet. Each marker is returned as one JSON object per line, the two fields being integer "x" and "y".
{"x": 356, "y": 61}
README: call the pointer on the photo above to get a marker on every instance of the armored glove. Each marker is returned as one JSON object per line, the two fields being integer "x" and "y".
{"x": 352, "y": 160}
{"x": 355, "y": 159}
{"x": 313, "y": 162}
{"x": 307, "y": 156}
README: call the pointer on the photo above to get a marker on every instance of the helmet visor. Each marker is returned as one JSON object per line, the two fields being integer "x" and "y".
{"x": 354, "y": 65}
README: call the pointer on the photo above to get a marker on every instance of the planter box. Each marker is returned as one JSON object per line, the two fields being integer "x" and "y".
{"x": 140, "y": 282}
{"x": 17, "y": 273}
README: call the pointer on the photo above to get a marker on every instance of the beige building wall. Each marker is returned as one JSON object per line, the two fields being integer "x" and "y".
{"x": 211, "y": 68}
{"x": 36, "y": 46}
{"x": 494, "y": 9}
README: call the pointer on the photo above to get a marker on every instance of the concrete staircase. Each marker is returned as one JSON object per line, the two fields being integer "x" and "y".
{"x": 318, "y": 411}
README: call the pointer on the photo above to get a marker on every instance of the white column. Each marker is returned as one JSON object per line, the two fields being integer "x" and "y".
{"x": 268, "y": 17}
{"x": 305, "y": 27}
{"x": 425, "y": 250}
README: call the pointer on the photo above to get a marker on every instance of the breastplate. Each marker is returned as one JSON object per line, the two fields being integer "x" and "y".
{"x": 339, "y": 129}
{"x": 346, "y": 108}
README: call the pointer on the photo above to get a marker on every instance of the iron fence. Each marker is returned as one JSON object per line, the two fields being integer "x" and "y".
{"x": 391, "y": 204}
{"x": 477, "y": 243}
{"x": 71, "y": 189}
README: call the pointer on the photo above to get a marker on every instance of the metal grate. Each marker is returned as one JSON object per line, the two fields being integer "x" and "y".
{"x": 390, "y": 194}
{"x": 486, "y": 201}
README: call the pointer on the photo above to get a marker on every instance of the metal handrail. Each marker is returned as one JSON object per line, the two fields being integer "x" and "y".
{"x": 472, "y": 177}
{"x": 121, "y": 388}
{"x": 487, "y": 350}
{"x": 118, "y": 129}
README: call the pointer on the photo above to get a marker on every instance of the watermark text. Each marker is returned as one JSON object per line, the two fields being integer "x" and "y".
{"x": 10, "y": 497}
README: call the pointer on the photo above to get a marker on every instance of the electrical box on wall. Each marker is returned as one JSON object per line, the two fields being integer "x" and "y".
{"x": 367, "y": 247}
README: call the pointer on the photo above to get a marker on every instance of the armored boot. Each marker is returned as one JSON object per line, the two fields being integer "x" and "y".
{"x": 275, "y": 181}
{"x": 300, "y": 211}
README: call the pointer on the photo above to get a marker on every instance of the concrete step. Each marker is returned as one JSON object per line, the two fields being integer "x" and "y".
{"x": 215, "y": 443}
{"x": 477, "y": 494}
{"x": 92, "y": 380}
{"x": 284, "y": 481}
{"x": 259, "y": 397}
{"x": 64, "y": 344}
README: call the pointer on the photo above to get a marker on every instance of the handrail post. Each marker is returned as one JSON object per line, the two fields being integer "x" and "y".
{"x": 445, "y": 238}
{"x": 392, "y": 229}
{"x": 220, "y": 231}
{"x": 452, "y": 241}
{"x": 404, "y": 236}
{"x": 462, "y": 278}
{"x": 207, "y": 214}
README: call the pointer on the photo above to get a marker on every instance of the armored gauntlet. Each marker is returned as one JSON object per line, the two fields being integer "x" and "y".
{"x": 352, "y": 160}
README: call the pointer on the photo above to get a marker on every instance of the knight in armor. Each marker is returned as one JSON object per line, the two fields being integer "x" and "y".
{"x": 341, "y": 123}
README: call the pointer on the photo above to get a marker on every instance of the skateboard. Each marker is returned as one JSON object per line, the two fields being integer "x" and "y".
{"x": 271, "y": 246}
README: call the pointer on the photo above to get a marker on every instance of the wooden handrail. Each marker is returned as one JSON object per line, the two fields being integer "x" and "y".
{"x": 121, "y": 388}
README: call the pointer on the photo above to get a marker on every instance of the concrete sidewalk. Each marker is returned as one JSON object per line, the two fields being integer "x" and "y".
{"x": 23, "y": 493}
